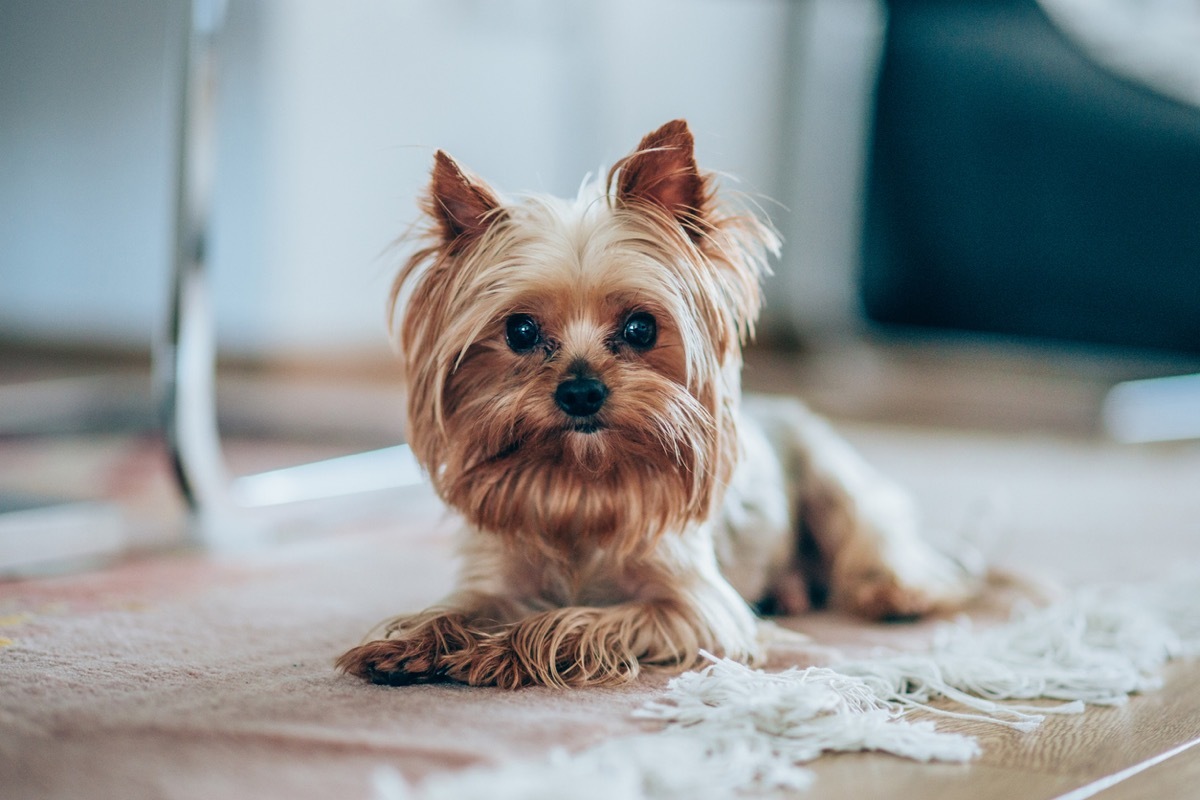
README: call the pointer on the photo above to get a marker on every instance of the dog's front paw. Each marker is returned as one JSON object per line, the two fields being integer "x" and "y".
{"x": 413, "y": 654}
{"x": 393, "y": 662}
{"x": 571, "y": 647}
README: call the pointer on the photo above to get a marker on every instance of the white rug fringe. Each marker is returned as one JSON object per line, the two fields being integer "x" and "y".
{"x": 730, "y": 729}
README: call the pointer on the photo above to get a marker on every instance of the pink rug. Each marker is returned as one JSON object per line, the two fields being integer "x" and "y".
{"x": 191, "y": 677}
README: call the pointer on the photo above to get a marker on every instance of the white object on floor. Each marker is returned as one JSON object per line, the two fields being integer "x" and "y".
{"x": 1154, "y": 410}
{"x": 374, "y": 470}
{"x": 54, "y": 535}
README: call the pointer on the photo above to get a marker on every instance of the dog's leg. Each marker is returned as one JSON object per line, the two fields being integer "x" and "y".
{"x": 572, "y": 646}
{"x": 865, "y": 527}
{"x": 659, "y": 609}
{"x": 599, "y": 646}
{"x": 682, "y": 605}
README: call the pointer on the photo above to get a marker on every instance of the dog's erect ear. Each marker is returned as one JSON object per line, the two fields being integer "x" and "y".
{"x": 662, "y": 171}
{"x": 463, "y": 205}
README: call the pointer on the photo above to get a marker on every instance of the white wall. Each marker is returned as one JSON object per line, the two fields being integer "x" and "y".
{"x": 328, "y": 118}
{"x": 344, "y": 107}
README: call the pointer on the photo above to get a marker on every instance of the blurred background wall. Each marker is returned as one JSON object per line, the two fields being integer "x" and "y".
{"x": 85, "y": 180}
{"x": 328, "y": 116}
{"x": 1018, "y": 167}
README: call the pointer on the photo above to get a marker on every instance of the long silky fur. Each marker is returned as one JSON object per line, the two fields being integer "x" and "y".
{"x": 457, "y": 299}
{"x": 588, "y": 556}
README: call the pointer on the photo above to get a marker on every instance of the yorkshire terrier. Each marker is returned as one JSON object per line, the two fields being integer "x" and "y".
{"x": 573, "y": 370}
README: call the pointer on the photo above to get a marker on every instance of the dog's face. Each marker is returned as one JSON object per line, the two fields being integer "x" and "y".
{"x": 572, "y": 367}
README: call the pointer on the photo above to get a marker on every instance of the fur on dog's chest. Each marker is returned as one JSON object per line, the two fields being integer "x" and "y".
{"x": 601, "y": 578}
{"x": 756, "y": 536}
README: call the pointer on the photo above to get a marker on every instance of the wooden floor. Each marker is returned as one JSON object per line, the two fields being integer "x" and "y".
{"x": 1146, "y": 748}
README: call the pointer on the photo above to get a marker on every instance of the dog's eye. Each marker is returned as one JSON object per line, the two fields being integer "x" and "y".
{"x": 640, "y": 330}
{"x": 522, "y": 333}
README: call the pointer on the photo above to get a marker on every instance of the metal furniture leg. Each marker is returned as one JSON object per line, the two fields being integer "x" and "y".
{"x": 185, "y": 363}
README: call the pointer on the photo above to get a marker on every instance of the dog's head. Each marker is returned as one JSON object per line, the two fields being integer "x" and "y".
{"x": 573, "y": 366}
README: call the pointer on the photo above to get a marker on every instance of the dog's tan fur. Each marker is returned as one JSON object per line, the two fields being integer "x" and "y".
{"x": 593, "y": 553}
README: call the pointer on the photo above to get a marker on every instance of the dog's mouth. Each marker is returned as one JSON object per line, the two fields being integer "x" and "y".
{"x": 586, "y": 426}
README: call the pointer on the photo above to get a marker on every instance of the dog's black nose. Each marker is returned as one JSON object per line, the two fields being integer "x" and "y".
{"x": 581, "y": 397}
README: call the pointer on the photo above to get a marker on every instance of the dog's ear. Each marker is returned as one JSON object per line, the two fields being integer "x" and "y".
{"x": 662, "y": 171}
{"x": 463, "y": 206}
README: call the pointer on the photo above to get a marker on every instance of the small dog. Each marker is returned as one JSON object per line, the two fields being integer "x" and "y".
{"x": 574, "y": 393}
